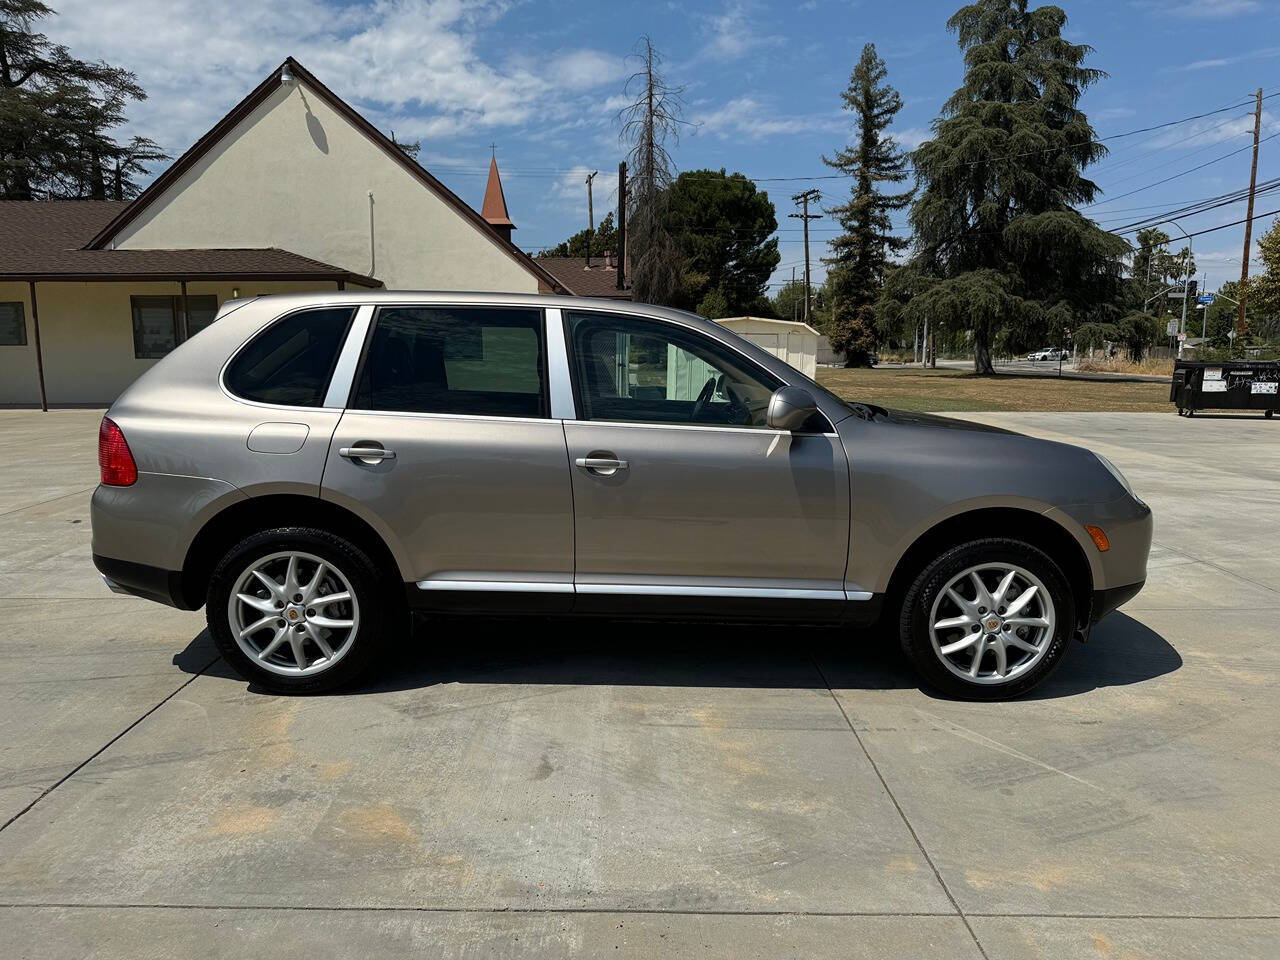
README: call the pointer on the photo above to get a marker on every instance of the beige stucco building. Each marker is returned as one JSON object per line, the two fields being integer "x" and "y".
{"x": 291, "y": 190}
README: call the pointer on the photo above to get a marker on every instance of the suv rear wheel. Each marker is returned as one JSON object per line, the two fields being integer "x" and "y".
{"x": 296, "y": 609}
{"x": 988, "y": 619}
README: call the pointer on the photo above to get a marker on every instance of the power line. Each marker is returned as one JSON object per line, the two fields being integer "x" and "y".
{"x": 1207, "y": 163}
{"x": 1233, "y": 223}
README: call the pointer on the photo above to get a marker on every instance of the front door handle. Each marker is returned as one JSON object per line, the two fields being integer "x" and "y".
{"x": 366, "y": 453}
{"x": 602, "y": 466}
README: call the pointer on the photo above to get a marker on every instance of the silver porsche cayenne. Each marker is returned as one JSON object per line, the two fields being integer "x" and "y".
{"x": 313, "y": 468}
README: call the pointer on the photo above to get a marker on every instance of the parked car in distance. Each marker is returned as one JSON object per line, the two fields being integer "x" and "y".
{"x": 311, "y": 468}
{"x": 1048, "y": 353}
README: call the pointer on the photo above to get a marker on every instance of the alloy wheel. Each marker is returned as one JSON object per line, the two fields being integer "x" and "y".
{"x": 991, "y": 623}
{"x": 293, "y": 613}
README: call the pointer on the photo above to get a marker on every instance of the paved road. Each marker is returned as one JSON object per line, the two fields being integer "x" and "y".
{"x": 640, "y": 792}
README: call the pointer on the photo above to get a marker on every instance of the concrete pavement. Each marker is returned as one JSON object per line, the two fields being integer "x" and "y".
{"x": 638, "y": 791}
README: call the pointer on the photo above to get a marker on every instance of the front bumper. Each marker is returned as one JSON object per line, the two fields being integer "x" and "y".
{"x": 141, "y": 580}
{"x": 1105, "y": 601}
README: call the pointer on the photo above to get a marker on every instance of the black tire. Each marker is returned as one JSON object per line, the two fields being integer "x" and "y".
{"x": 382, "y": 612}
{"x": 913, "y": 625}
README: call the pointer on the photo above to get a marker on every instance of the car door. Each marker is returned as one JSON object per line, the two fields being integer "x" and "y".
{"x": 448, "y": 449}
{"x": 680, "y": 488}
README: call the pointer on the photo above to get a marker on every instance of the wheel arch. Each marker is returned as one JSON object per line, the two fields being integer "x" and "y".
{"x": 1035, "y": 528}
{"x": 244, "y": 517}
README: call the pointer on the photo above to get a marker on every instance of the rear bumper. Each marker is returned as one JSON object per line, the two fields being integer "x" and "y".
{"x": 141, "y": 580}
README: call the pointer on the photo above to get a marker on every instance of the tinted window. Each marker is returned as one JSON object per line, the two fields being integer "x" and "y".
{"x": 291, "y": 361}
{"x": 632, "y": 369}
{"x": 467, "y": 360}
{"x": 13, "y": 324}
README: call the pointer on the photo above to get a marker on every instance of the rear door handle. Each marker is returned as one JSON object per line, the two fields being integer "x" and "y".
{"x": 366, "y": 453}
{"x": 605, "y": 466}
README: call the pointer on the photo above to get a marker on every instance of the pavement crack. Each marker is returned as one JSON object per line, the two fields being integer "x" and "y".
{"x": 97, "y": 753}
{"x": 875, "y": 767}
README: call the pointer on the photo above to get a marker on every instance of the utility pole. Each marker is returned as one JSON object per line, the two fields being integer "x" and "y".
{"x": 803, "y": 200}
{"x": 794, "y": 306}
{"x": 591, "y": 216}
{"x": 1248, "y": 223}
{"x": 622, "y": 224}
{"x": 1186, "y": 286}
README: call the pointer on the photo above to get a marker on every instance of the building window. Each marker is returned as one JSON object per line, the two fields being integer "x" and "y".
{"x": 157, "y": 322}
{"x": 13, "y": 325}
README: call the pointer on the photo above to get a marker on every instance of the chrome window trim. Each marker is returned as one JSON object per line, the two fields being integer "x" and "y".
{"x": 641, "y": 589}
{"x": 559, "y": 379}
{"x": 344, "y": 371}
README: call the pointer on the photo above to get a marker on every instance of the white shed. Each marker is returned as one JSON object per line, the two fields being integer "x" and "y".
{"x": 791, "y": 342}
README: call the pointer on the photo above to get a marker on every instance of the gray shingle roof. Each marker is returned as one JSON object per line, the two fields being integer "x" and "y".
{"x": 43, "y": 240}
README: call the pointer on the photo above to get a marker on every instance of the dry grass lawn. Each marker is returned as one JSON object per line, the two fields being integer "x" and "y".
{"x": 947, "y": 390}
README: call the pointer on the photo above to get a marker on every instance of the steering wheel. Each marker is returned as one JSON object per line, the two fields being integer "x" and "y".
{"x": 704, "y": 398}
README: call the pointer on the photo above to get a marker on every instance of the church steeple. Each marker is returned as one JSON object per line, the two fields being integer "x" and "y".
{"x": 494, "y": 209}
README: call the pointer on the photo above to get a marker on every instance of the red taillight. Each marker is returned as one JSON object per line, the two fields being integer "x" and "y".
{"x": 114, "y": 458}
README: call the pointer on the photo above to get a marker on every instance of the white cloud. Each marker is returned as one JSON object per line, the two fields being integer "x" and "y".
{"x": 911, "y": 137}
{"x": 1210, "y": 130}
{"x": 733, "y": 33}
{"x": 749, "y": 119}
{"x": 1212, "y": 63}
{"x": 412, "y": 64}
{"x": 1213, "y": 9}
{"x": 572, "y": 188}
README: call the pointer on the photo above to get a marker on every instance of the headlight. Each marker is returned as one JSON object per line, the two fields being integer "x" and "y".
{"x": 1115, "y": 472}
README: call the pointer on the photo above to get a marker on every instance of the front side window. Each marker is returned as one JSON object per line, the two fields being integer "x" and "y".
{"x": 638, "y": 370}
{"x": 291, "y": 361}
{"x": 481, "y": 361}
{"x": 13, "y": 324}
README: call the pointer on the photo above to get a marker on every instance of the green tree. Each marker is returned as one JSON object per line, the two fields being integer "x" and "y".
{"x": 861, "y": 252}
{"x": 788, "y": 302}
{"x": 1000, "y": 249}
{"x": 57, "y": 114}
{"x": 604, "y": 239}
{"x": 723, "y": 226}
{"x": 1264, "y": 289}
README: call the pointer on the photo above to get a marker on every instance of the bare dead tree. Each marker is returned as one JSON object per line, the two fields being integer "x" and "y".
{"x": 652, "y": 119}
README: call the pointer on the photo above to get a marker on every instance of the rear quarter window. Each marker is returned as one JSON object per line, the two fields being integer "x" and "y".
{"x": 290, "y": 362}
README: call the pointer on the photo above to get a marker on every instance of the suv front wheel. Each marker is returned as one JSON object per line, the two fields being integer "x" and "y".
{"x": 988, "y": 619}
{"x": 298, "y": 610}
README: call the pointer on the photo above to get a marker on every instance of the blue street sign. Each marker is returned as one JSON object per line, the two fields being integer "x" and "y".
{"x": 1205, "y": 298}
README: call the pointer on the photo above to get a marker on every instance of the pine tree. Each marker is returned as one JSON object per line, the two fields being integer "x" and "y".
{"x": 57, "y": 114}
{"x": 859, "y": 255}
{"x": 1002, "y": 250}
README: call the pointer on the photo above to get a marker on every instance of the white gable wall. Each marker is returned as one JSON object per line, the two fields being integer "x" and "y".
{"x": 295, "y": 174}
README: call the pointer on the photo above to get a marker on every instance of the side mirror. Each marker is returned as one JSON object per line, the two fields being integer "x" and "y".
{"x": 790, "y": 407}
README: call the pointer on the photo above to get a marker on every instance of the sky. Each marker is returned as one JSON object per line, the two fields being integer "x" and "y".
{"x": 543, "y": 81}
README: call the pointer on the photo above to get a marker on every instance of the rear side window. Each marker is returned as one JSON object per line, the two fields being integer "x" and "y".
{"x": 291, "y": 361}
{"x": 485, "y": 361}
